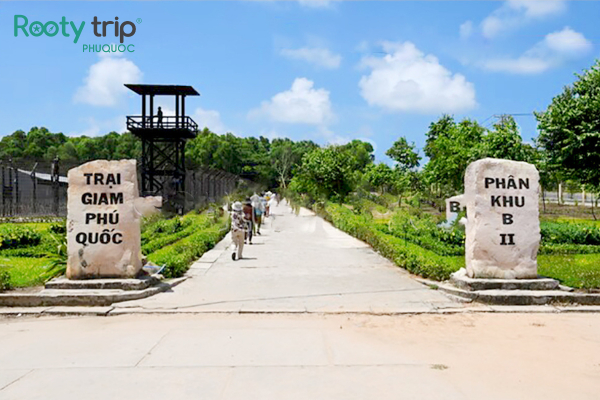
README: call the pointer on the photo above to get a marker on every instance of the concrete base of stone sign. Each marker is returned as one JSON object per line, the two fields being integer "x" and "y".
{"x": 518, "y": 292}
{"x": 462, "y": 281}
{"x": 97, "y": 292}
{"x": 141, "y": 283}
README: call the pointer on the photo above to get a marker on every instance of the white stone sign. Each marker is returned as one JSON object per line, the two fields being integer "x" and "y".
{"x": 103, "y": 221}
{"x": 454, "y": 205}
{"x": 503, "y": 228}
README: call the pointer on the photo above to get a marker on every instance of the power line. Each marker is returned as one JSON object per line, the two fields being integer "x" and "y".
{"x": 513, "y": 115}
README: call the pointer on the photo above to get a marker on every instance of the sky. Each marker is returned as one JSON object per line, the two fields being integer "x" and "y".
{"x": 328, "y": 71}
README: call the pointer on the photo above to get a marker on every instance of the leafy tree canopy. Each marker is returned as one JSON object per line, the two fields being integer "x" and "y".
{"x": 570, "y": 129}
{"x": 404, "y": 154}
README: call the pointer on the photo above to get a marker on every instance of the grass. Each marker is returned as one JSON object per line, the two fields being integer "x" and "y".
{"x": 572, "y": 220}
{"x": 580, "y": 271}
{"x": 24, "y": 271}
{"x": 27, "y": 265}
{"x": 178, "y": 241}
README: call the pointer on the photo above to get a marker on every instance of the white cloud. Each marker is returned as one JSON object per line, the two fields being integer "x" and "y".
{"x": 538, "y": 8}
{"x": 466, "y": 30}
{"x": 492, "y": 26}
{"x": 567, "y": 42}
{"x": 210, "y": 119}
{"x": 103, "y": 85}
{"x": 320, "y": 57}
{"x": 407, "y": 80}
{"x": 515, "y": 13}
{"x": 302, "y": 104}
{"x": 316, "y": 3}
{"x": 363, "y": 46}
{"x": 555, "y": 49}
{"x": 521, "y": 65}
{"x": 331, "y": 138}
{"x": 102, "y": 127}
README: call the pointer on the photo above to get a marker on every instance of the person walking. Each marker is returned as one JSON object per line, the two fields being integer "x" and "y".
{"x": 238, "y": 227}
{"x": 249, "y": 218}
{"x": 258, "y": 208}
{"x": 265, "y": 201}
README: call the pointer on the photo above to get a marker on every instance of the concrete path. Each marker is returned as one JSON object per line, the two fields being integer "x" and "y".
{"x": 301, "y": 357}
{"x": 299, "y": 264}
{"x": 269, "y": 327}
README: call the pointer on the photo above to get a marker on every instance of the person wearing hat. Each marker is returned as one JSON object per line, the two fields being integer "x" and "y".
{"x": 259, "y": 209}
{"x": 249, "y": 218}
{"x": 238, "y": 227}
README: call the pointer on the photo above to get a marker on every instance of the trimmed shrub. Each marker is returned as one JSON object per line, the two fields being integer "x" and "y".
{"x": 424, "y": 231}
{"x": 59, "y": 228}
{"x": 196, "y": 223}
{"x": 4, "y": 281}
{"x": 12, "y": 236}
{"x": 405, "y": 254}
{"x": 569, "y": 233}
{"x": 569, "y": 249}
{"x": 179, "y": 255}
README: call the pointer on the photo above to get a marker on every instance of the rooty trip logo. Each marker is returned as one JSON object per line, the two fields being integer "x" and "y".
{"x": 121, "y": 30}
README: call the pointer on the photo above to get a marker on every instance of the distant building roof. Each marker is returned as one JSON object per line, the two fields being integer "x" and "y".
{"x": 163, "y": 90}
{"x": 44, "y": 177}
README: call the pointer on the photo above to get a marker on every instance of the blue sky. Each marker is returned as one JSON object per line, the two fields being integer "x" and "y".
{"x": 329, "y": 71}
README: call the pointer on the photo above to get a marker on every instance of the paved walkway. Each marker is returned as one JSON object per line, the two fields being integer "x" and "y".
{"x": 299, "y": 264}
{"x": 301, "y": 357}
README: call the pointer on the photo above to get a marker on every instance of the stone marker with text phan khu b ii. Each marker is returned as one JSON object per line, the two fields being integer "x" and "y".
{"x": 503, "y": 228}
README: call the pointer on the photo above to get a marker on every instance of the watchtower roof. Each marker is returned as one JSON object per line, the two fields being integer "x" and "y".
{"x": 163, "y": 90}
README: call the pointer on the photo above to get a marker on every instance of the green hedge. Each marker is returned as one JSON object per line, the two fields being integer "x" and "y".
{"x": 5, "y": 281}
{"x": 12, "y": 236}
{"x": 190, "y": 225}
{"x": 569, "y": 233}
{"x": 166, "y": 227}
{"x": 423, "y": 231}
{"x": 405, "y": 254}
{"x": 179, "y": 255}
{"x": 569, "y": 249}
{"x": 40, "y": 250}
{"x": 556, "y": 237}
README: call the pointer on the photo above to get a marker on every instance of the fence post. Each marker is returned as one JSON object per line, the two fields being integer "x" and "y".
{"x": 3, "y": 200}
{"x": 17, "y": 196}
{"x": 34, "y": 183}
{"x": 10, "y": 187}
{"x": 54, "y": 177}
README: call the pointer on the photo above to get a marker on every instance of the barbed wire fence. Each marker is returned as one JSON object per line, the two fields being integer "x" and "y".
{"x": 36, "y": 188}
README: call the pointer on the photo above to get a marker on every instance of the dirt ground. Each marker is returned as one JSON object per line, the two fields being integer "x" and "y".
{"x": 302, "y": 356}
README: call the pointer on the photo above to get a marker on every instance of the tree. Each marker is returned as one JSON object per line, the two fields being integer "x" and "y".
{"x": 570, "y": 132}
{"x": 286, "y": 155}
{"x": 326, "y": 173}
{"x": 451, "y": 147}
{"x": 380, "y": 176}
{"x": 505, "y": 142}
{"x": 570, "y": 129}
{"x": 404, "y": 154}
{"x": 360, "y": 153}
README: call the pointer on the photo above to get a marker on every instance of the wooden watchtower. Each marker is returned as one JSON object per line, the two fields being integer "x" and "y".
{"x": 163, "y": 142}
